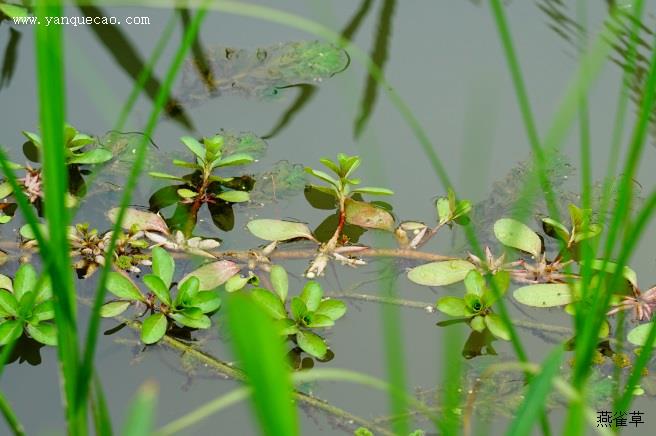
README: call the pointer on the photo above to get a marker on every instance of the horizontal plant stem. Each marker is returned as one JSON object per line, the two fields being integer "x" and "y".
{"x": 430, "y": 308}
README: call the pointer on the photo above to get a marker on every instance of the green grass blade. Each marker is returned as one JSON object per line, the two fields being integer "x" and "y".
{"x": 141, "y": 415}
{"x": 262, "y": 356}
{"x": 524, "y": 105}
{"x": 539, "y": 388}
{"x": 101, "y": 417}
{"x": 140, "y": 155}
{"x": 10, "y": 417}
{"x": 50, "y": 78}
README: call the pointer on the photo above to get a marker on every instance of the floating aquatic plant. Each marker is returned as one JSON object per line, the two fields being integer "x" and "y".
{"x": 26, "y": 307}
{"x": 189, "y": 308}
{"x": 202, "y": 186}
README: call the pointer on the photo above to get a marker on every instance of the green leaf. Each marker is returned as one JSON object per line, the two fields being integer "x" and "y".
{"x": 43, "y": 312}
{"x": 234, "y": 196}
{"x": 25, "y": 280}
{"x": 185, "y": 164}
{"x": 236, "y": 282}
{"x": 10, "y": 331}
{"x": 8, "y": 302}
{"x": 298, "y": 308}
{"x": 319, "y": 321}
{"x": 91, "y": 157}
{"x": 194, "y": 146}
{"x": 186, "y": 193}
{"x": 235, "y": 159}
{"x": 5, "y": 190}
{"x": 323, "y": 176}
{"x": 333, "y": 309}
{"x": 443, "y": 210}
{"x": 124, "y": 288}
{"x": 192, "y": 317}
{"x": 278, "y": 230}
{"x": 330, "y": 164}
{"x": 311, "y": 295}
{"x": 477, "y": 323}
{"x": 512, "y": 233}
{"x": 544, "y": 295}
{"x": 440, "y": 273}
{"x": 13, "y": 11}
{"x": 157, "y": 287}
{"x": 591, "y": 231}
{"x": 206, "y": 301}
{"x": 279, "y": 281}
{"x": 372, "y": 190}
{"x": 638, "y": 335}
{"x": 312, "y": 344}
{"x": 163, "y": 265}
{"x": 212, "y": 275}
{"x": 475, "y": 283}
{"x": 496, "y": 326}
{"x": 33, "y": 138}
{"x": 46, "y": 332}
{"x": 187, "y": 291}
{"x": 452, "y": 306}
{"x": 270, "y": 302}
{"x": 153, "y": 328}
{"x": 259, "y": 348}
{"x": 555, "y": 229}
{"x": 363, "y": 214}
{"x": 113, "y": 308}
{"x": 165, "y": 176}
{"x": 287, "y": 326}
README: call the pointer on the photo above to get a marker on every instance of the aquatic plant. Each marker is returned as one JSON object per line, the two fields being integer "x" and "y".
{"x": 189, "y": 308}
{"x": 26, "y": 307}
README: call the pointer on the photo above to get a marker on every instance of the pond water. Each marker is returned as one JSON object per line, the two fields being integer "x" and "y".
{"x": 446, "y": 62}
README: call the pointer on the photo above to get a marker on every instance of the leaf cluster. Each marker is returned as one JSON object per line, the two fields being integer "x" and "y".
{"x": 476, "y": 305}
{"x": 26, "y": 306}
{"x": 307, "y": 312}
{"x": 189, "y": 308}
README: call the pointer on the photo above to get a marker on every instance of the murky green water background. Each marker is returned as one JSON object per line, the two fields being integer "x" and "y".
{"x": 445, "y": 60}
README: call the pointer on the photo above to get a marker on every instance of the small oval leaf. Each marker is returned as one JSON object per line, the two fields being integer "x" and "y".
{"x": 279, "y": 230}
{"x": 153, "y": 328}
{"x": 544, "y": 295}
{"x": 440, "y": 273}
{"x": 113, "y": 308}
{"x": 123, "y": 287}
{"x": 363, "y": 214}
{"x": 146, "y": 221}
{"x": 312, "y": 344}
{"x": 513, "y": 233}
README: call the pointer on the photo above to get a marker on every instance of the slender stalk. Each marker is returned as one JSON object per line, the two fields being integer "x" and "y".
{"x": 94, "y": 321}
{"x": 10, "y": 417}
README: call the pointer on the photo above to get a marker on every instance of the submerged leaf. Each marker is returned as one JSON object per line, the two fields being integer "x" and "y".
{"x": 440, "y": 273}
{"x": 367, "y": 215}
{"x": 279, "y": 230}
{"x": 545, "y": 295}
{"x": 262, "y": 72}
{"x": 512, "y": 233}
